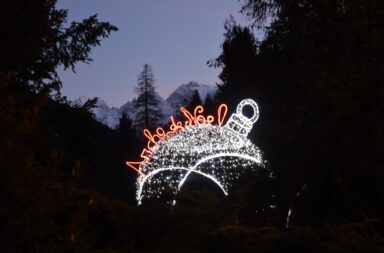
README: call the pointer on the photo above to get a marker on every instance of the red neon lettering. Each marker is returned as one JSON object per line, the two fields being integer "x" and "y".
{"x": 161, "y": 134}
{"x": 130, "y": 164}
{"x": 221, "y": 113}
{"x": 188, "y": 115}
{"x": 174, "y": 127}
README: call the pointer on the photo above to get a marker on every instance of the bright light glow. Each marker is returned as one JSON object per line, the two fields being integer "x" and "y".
{"x": 219, "y": 153}
{"x": 193, "y": 169}
{"x": 140, "y": 189}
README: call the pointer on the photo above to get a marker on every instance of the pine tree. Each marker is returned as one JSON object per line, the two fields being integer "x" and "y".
{"x": 195, "y": 101}
{"x": 36, "y": 40}
{"x": 127, "y": 136}
{"x": 125, "y": 123}
{"x": 147, "y": 102}
{"x": 315, "y": 70}
{"x": 237, "y": 61}
{"x": 209, "y": 105}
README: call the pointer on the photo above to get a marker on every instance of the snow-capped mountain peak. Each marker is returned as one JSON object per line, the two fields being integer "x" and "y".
{"x": 80, "y": 101}
{"x": 83, "y": 99}
{"x": 184, "y": 93}
{"x": 110, "y": 116}
{"x": 101, "y": 103}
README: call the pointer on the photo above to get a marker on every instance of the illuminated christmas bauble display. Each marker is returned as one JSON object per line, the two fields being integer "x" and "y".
{"x": 201, "y": 145}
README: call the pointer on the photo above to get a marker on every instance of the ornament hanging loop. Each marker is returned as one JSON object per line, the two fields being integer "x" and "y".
{"x": 254, "y": 106}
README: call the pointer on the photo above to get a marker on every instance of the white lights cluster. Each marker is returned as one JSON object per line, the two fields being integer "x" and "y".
{"x": 219, "y": 153}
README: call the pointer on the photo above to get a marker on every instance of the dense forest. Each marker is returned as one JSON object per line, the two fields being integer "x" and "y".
{"x": 317, "y": 75}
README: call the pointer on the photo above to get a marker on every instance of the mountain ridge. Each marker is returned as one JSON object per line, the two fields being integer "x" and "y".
{"x": 179, "y": 97}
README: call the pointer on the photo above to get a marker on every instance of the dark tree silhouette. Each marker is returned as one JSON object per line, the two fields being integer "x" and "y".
{"x": 194, "y": 101}
{"x": 149, "y": 114}
{"x": 36, "y": 40}
{"x": 210, "y": 106}
{"x": 125, "y": 124}
{"x": 237, "y": 61}
{"x": 317, "y": 78}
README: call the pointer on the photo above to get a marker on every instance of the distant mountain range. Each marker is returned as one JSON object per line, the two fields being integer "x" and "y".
{"x": 180, "y": 97}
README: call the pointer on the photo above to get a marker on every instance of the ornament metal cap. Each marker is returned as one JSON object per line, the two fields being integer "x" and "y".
{"x": 241, "y": 124}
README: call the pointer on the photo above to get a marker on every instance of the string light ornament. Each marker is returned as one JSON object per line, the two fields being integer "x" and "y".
{"x": 201, "y": 145}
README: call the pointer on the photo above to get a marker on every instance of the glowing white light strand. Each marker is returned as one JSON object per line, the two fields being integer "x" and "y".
{"x": 193, "y": 169}
{"x": 212, "y": 151}
{"x": 140, "y": 189}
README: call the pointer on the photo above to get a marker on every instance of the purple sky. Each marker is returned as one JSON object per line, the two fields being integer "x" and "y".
{"x": 176, "y": 37}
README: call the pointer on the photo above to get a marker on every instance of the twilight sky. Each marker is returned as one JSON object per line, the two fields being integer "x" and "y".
{"x": 176, "y": 37}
